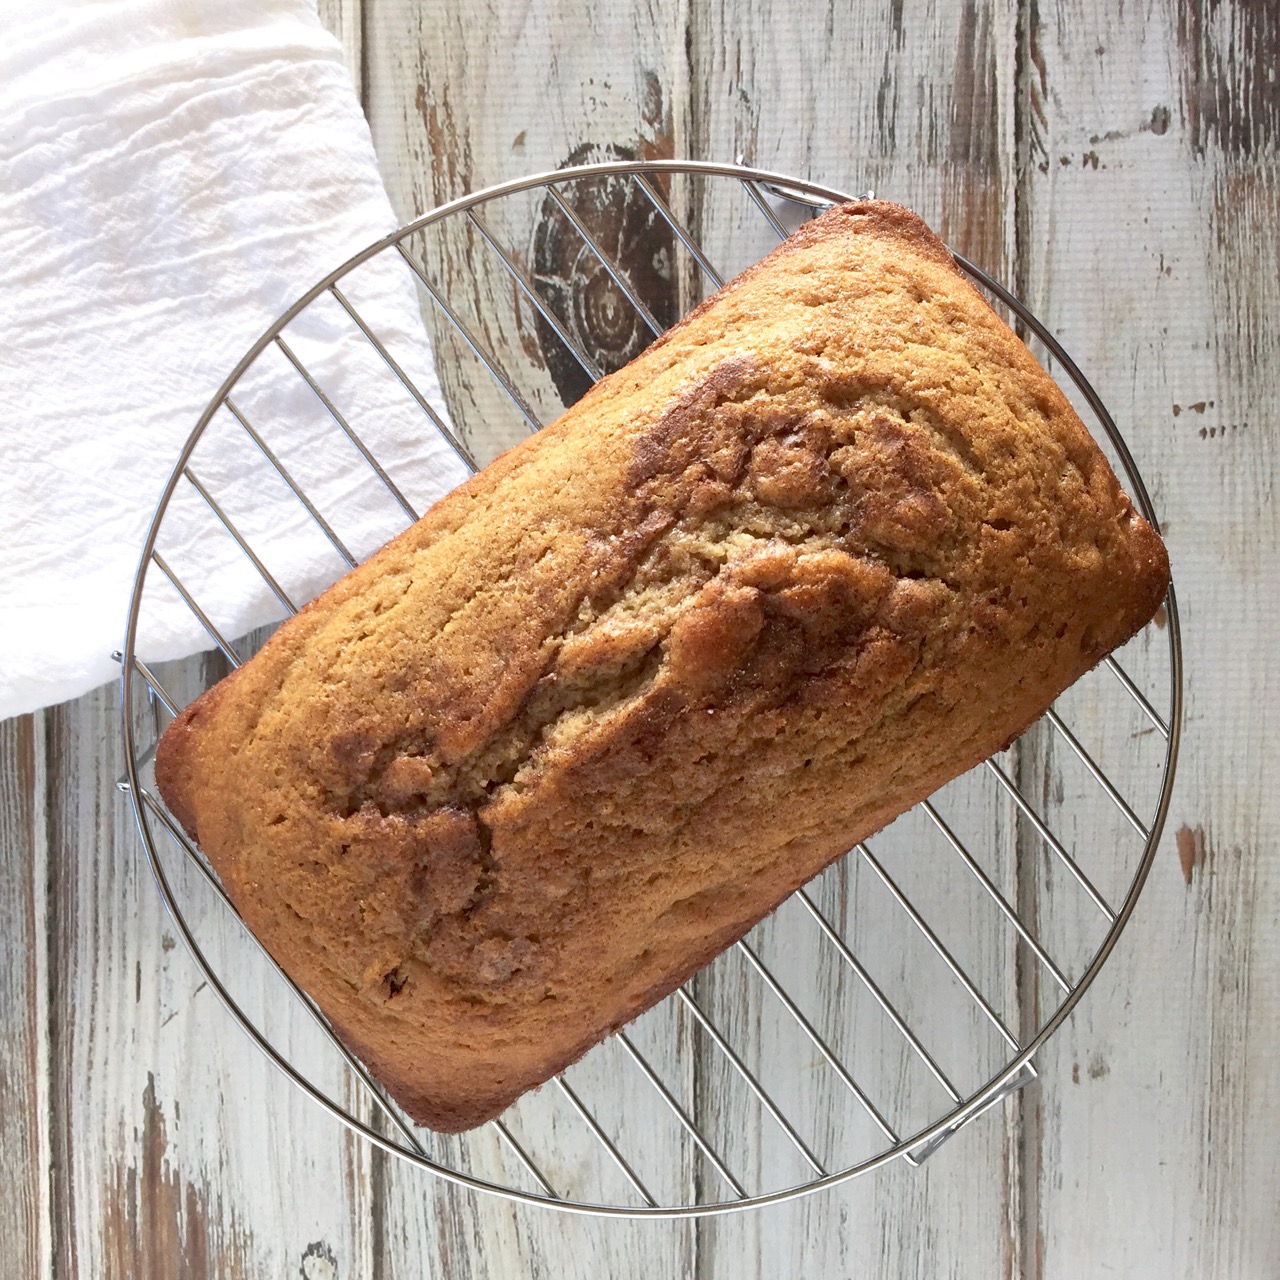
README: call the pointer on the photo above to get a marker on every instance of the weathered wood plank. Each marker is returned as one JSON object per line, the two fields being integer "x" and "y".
{"x": 913, "y": 101}
{"x": 345, "y": 20}
{"x": 25, "y": 1226}
{"x": 1152, "y": 207}
{"x": 577, "y": 82}
{"x": 178, "y": 1149}
{"x": 550, "y": 79}
{"x": 857, "y": 98}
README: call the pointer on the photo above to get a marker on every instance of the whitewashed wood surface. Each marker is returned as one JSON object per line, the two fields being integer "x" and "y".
{"x": 1122, "y": 168}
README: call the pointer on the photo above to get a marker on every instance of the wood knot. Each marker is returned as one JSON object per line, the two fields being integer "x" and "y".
{"x": 579, "y": 289}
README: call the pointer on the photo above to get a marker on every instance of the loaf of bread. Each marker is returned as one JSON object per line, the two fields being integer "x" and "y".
{"x": 825, "y": 545}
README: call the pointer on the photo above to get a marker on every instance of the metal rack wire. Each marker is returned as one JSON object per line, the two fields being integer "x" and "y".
{"x": 946, "y": 1006}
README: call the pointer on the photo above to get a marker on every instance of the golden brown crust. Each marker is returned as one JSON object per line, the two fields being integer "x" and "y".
{"x": 829, "y": 542}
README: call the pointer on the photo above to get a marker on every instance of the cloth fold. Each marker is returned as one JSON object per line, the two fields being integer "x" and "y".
{"x": 172, "y": 176}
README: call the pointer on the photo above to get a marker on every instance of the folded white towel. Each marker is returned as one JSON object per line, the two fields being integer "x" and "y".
{"x": 172, "y": 175}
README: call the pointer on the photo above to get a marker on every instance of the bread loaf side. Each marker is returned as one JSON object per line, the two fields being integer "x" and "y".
{"x": 828, "y": 543}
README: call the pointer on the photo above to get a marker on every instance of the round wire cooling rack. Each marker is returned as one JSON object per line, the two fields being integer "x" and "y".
{"x": 884, "y": 1006}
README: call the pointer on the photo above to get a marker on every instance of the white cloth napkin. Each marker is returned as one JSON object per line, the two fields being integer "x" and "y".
{"x": 172, "y": 176}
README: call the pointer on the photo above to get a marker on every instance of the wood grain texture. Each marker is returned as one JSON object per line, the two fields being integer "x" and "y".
{"x": 344, "y": 19}
{"x": 465, "y": 98}
{"x": 915, "y": 102}
{"x": 451, "y": 112}
{"x": 25, "y": 1227}
{"x": 141, "y": 1135}
{"x": 1123, "y": 169}
{"x": 1153, "y": 214}
{"x": 178, "y": 1150}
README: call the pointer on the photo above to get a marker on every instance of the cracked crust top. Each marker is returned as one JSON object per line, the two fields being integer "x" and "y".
{"x": 829, "y": 542}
